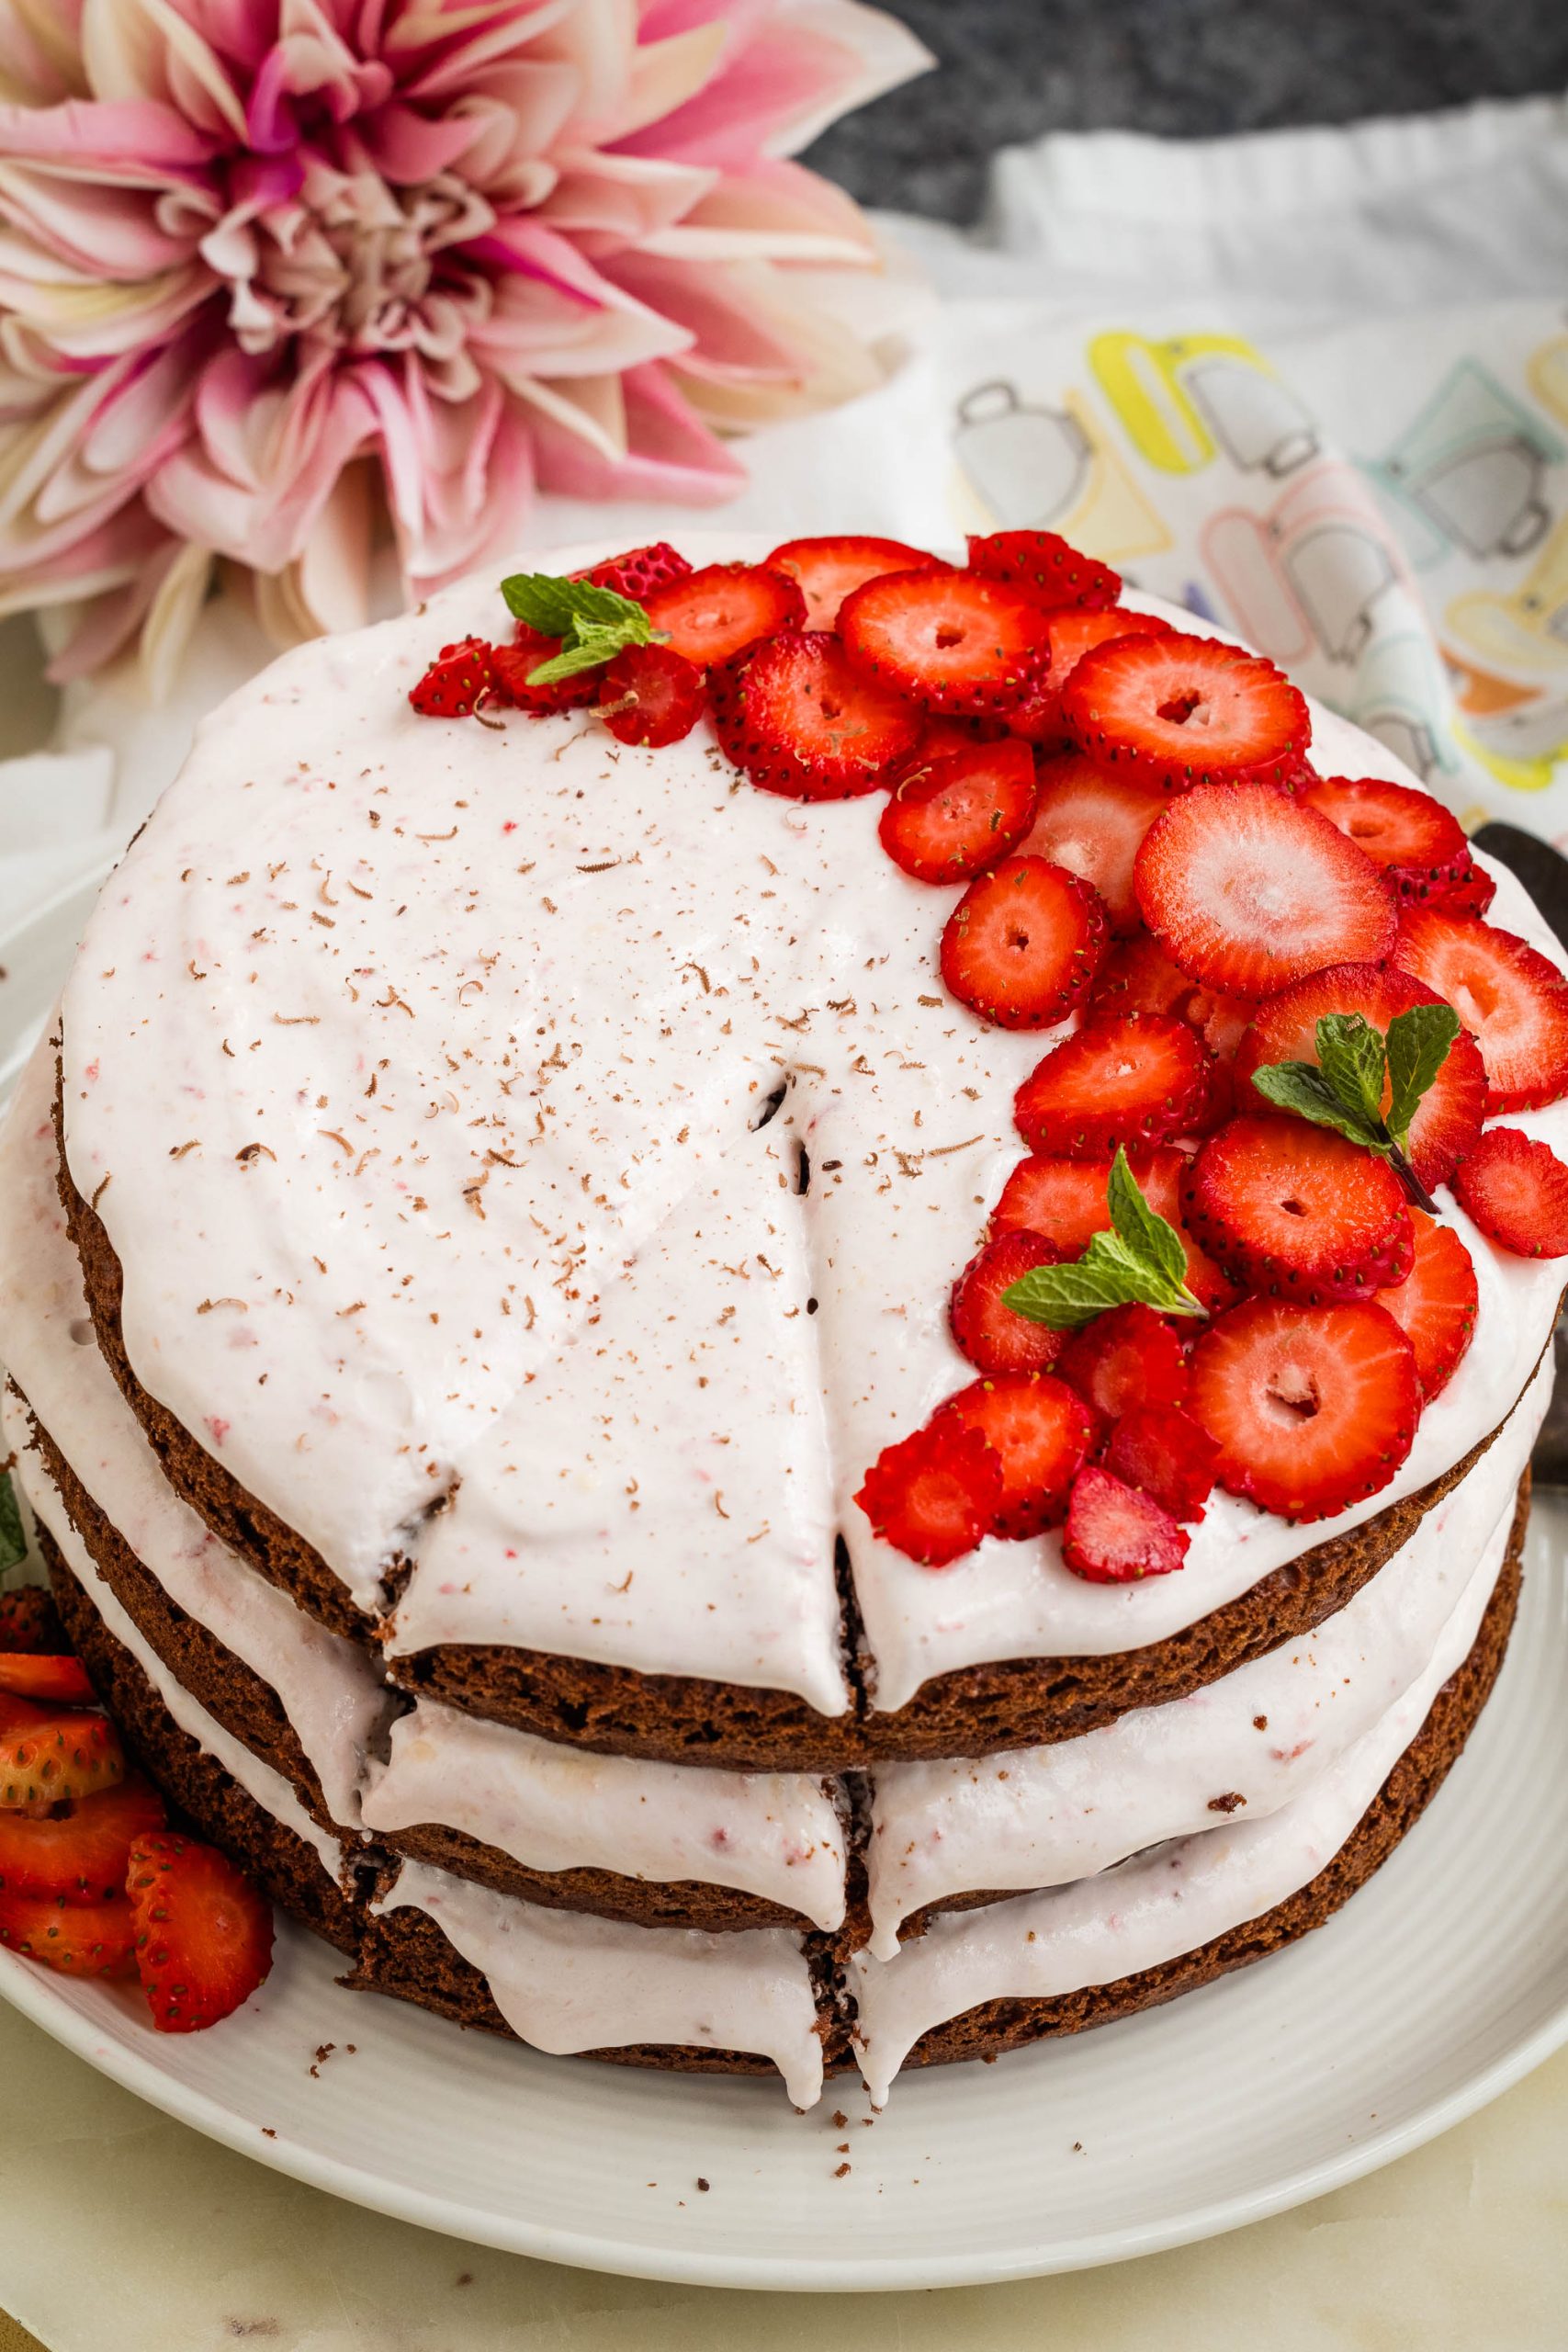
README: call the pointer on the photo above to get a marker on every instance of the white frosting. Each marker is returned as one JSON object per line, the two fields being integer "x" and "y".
{"x": 328, "y": 1687}
{"x": 270, "y": 1790}
{"x": 772, "y": 1834}
{"x": 1043, "y": 1816}
{"x": 496, "y": 1010}
{"x": 1163, "y": 1903}
{"x": 566, "y": 1983}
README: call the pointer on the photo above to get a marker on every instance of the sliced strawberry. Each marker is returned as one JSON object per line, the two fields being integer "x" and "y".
{"x": 959, "y": 815}
{"x": 457, "y": 680}
{"x": 1039, "y": 718}
{"x": 1412, "y": 838}
{"x": 1437, "y": 1307}
{"x": 1065, "y": 1200}
{"x": 1296, "y": 1210}
{"x": 648, "y": 694}
{"x": 934, "y": 1494}
{"x": 1128, "y": 1078}
{"x": 30, "y": 1621}
{"x": 1139, "y": 977}
{"x": 1163, "y": 1453}
{"x": 81, "y": 1855}
{"x": 1313, "y": 1408}
{"x": 1040, "y": 1432}
{"x": 59, "y": 1681}
{"x": 45, "y": 1757}
{"x": 1284, "y": 1029}
{"x": 640, "y": 571}
{"x": 800, "y": 720}
{"x": 1247, "y": 890}
{"x": 1023, "y": 943}
{"x": 949, "y": 639}
{"x": 1177, "y": 711}
{"x": 1124, "y": 1359}
{"x": 1471, "y": 894}
{"x": 1516, "y": 1190}
{"x": 1115, "y": 1534}
{"x": 1092, "y": 823}
{"x": 73, "y": 1938}
{"x": 204, "y": 1931}
{"x": 712, "y": 614}
{"x": 512, "y": 665}
{"x": 826, "y": 570}
{"x": 1513, "y": 1001}
{"x": 993, "y": 1337}
{"x": 1046, "y": 568}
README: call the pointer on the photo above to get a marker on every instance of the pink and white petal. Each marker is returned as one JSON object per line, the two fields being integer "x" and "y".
{"x": 724, "y": 312}
{"x": 93, "y": 229}
{"x": 40, "y": 52}
{"x": 670, "y": 452}
{"x": 484, "y": 34}
{"x": 139, "y": 143}
{"x": 145, "y": 49}
{"x": 606, "y": 201}
{"x": 774, "y": 211}
{"x": 533, "y": 330}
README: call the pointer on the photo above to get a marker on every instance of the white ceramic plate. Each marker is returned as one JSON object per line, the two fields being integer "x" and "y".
{"x": 1443, "y": 1982}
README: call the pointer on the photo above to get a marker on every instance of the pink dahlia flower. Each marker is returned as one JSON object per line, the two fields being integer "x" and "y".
{"x": 273, "y": 270}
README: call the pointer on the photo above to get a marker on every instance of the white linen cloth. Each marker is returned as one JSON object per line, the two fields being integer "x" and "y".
{"x": 1311, "y": 384}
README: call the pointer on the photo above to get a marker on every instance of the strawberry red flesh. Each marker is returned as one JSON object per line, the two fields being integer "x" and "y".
{"x": 949, "y": 639}
{"x": 59, "y": 1681}
{"x": 648, "y": 694}
{"x": 1516, "y": 1190}
{"x": 934, "y": 1496}
{"x": 455, "y": 682}
{"x": 640, "y": 571}
{"x": 1115, "y": 1534}
{"x": 1163, "y": 1451}
{"x": 1176, "y": 711}
{"x": 961, "y": 815}
{"x": 45, "y": 1757}
{"x": 1471, "y": 894}
{"x": 1247, "y": 891}
{"x": 1297, "y": 1210}
{"x": 1038, "y": 718}
{"x": 712, "y": 614}
{"x": 994, "y": 1337}
{"x": 1046, "y": 567}
{"x": 1039, "y": 1432}
{"x": 801, "y": 722}
{"x": 30, "y": 1621}
{"x": 1092, "y": 823}
{"x": 73, "y": 1938}
{"x": 1131, "y": 1077}
{"x": 1411, "y": 837}
{"x": 80, "y": 1855}
{"x": 1510, "y": 998}
{"x": 826, "y": 570}
{"x": 1023, "y": 943}
{"x": 511, "y": 666}
{"x": 1436, "y": 1307}
{"x": 1126, "y": 1358}
{"x": 1065, "y": 1200}
{"x": 204, "y": 1932}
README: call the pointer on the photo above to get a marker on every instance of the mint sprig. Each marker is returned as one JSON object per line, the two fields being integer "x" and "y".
{"x": 593, "y": 624}
{"x": 1142, "y": 1261}
{"x": 13, "y": 1535}
{"x": 1344, "y": 1088}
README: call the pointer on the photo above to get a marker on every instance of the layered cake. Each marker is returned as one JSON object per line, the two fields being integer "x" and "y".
{"x": 593, "y": 1332}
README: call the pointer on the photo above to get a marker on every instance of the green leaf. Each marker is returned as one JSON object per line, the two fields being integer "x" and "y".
{"x": 1301, "y": 1087}
{"x": 589, "y": 650}
{"x": 1141, "y": 1261}
{"x": 1142, "y": 1229}
{"x": 1350, "y": 1054}
{"x": 1418, "y": 1045}
{"x": 13, "y": 1537}
{"x": 559, "y": 607}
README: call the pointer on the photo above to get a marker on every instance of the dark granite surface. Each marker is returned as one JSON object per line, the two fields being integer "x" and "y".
{"x": 1013, "y": 68}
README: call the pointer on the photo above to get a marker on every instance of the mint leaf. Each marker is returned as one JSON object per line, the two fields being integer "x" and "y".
{"x": 1141, "y": 1261}
{"x": 1419, "y": 1043}
{"x": 1351, "y": 1055}
{"x": 1303, "y": 1088}
{"x": 560, "y": 607}
{"x": 13, "y": 1537}
{"x": 590, "y": 650}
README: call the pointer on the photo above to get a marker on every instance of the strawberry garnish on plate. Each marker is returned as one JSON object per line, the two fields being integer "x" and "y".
{"x": 934, "y": 1494}
{"x": 994, "y": 1337}
{"x": 1130, "y": 1078}
{"x": 204, "y": 1932}
{"x": 1092, "y": 823}
{"x": 1284, "y": 1028}
{"x": 1298, "y": 1211}
{"x": 1039, "y": 1432}
{"x": 1046, "y": 567}
{"x": 800, "y": 720}
{"x": 650, "y": 694}
{"x": 1471, "y": 895}
{"x": 1513, "y": 1001}
{"x": 45, "y": 1757}
{"x": 636, "y": 573}
{"x": 1516, "y": 1190}
{"x": 1176, "y": 711}
{"x": 1070, "y": 635}
{"x": 1248, "y": 891}
{"x": 1023, "y": 943}
{"x": 949, "y": 817}
{"x": 30, "y": 1621}
{"x": 1117, "y": 1534}
{"x": 1417, "y": 842}
{"x": 1436, "y": 1307}
{"x": 1313, "y": 1408}
{"x": 826, "y": 570}
{"x": 457, "y": 681}
{"x": 712, "y": 614}
{"x": 73, "y": 1938}
{"x": 1065, "y": 1200}
{"x": 1126, "y": 1358}
{"x": 54, "y": 1681}
{"x": 1163, "y": 1451}
{"x": 1139, "y": 977}
{"x": 81, "y": 1854}
{"x": 512, "y": 670}
{"x": 949, "y": 639}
